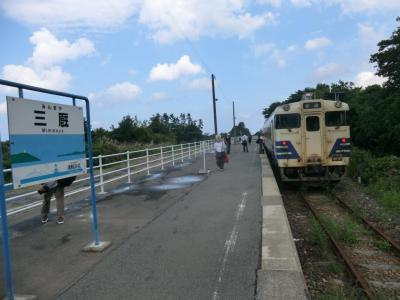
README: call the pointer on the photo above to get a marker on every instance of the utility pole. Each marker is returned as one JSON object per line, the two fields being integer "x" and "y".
{"x": 234, "y": 118}
{"x": 214, "y": 104}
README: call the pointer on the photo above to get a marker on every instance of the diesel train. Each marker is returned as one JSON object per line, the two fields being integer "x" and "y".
{"x": 309, "y": 140}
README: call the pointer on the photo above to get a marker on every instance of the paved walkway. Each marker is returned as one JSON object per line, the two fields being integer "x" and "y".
{"x": 198, "y": 240}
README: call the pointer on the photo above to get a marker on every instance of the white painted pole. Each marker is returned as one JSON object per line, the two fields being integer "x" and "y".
{"x": 204, "y": 155}
{"x": 129, "y": 166}
{"x": 173, "y": 156}
{"x": 147, "y": 161}
{"x": 162, "y": 159}
{"x": 189, "y": 151}
{"x": 101, "y": 174}
{"x": 181, "y": 152}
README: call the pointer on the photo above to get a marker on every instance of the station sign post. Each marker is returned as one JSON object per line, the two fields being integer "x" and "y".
{"x": 58, "y": 152}
{"x": 47, "y": 141}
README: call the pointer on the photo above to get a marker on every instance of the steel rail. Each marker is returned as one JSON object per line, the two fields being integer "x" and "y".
{"x": 359, "y": 278}
{"x": 371, "y": 225}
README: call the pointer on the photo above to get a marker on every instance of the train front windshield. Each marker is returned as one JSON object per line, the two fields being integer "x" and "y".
{"x": 336, "y": 118}
{"x": 287, "y": 121}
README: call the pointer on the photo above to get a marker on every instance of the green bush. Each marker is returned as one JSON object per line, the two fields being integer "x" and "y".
{"x": 372, "y": 169}
{"x": 381, "y": 175}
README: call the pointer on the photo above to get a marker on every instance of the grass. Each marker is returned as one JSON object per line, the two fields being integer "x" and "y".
{"x": 342, "y": 293}
{"x": 335, "y": 266}
{"x": 381, "y": 245}
{"x": 346, "y": 231}
{"x": 387, "y": 196}
{"x": 381, "y": 175}
{"x": 318, "y": 236}
{"x": 319, "y": 239}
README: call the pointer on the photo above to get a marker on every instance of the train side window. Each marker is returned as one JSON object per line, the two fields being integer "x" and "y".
{"x": 336, "y": 118}
{"x": 287, "y": 121}
{"x": 312, "y": 123}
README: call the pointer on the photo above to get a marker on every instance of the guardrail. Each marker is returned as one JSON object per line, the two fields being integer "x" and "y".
{"x": 120, "y": 165}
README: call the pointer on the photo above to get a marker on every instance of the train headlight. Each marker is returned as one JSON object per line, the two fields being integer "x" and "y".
{"x": 338, "y": 104}
{"x": 286, "y": 107}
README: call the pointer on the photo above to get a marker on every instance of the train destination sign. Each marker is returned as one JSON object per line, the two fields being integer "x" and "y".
{"x": 47, "y": 141}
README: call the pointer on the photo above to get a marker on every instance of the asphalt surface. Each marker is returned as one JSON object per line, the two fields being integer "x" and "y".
{"x": 174, "y": 235}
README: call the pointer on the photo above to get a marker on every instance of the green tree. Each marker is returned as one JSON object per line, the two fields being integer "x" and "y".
{"x": 239, "y": 130}
{"x": 270, "y": 109}
{"x": 125, "y": 132}
{"x": 388, "y": 59}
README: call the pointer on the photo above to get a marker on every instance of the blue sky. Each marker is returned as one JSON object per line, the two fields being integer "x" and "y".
{"x": 142, "y": 57}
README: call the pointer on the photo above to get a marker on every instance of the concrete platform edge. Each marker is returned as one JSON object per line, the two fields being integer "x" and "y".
{"x": 280, "y": 276}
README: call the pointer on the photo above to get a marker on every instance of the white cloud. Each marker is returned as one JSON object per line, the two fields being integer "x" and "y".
{"x": 49, "y": 50}
{"x": 3, "y": 107}
{"x": 183, "y": 67}
{"x": 170, "y": 20}
{"x": 167, "y": 20}
{"x": 119, "y": 92}
{"x": 203, "y": 83}
{"x": 93, "y": 14}
{"x": 301, "y": 2}
{"x": 159, "y": 96}
{"x": 51, "y": 78}
{"x": 369, "y": 36}
{"x": 41, "y": 68}
{"x": 264, "y": 48}
{"x": 124, "y": 91}
{"x": 317, "y": 43}
{"x": 366, "y": 78}
{"x": 372, "y": 6}
{"x": 354, "y": 6}
{"x": 272, "y": 51}
{"x": 275, "y": 3}
{"x": 329, "y": 71}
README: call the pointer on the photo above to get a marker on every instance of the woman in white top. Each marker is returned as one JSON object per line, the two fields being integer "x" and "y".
{"x": 219, "y": 147}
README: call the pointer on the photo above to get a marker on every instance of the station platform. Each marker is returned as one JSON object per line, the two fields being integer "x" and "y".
{"x": 280, "y": 276}
{"x": 174, "y": 234}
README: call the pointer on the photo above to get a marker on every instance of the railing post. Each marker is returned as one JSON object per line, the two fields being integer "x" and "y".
{"x": 189, "y": 151}
{"x": 129, "y": 166}
{"x": 173, "y": 156}
{"x": 181, "y": 152}
{"x": 147, "y": 161}
{"x": 195, "y": 149}
{"x": 162, "y": 159}
{"x": 204, "y": 155}
{"x": 101, "y": 174}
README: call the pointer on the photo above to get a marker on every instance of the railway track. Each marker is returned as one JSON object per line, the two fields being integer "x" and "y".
{"x": 371, "y": 256}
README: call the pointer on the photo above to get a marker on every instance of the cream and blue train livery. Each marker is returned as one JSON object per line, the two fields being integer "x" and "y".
{"x": 309, "y": 140}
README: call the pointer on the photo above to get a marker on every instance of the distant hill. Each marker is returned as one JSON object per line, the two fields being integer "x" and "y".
{"x": 73, "y": 153}
{"x": 23, "y": 157}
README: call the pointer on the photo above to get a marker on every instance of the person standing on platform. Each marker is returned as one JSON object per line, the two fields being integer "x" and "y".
{"x": 243, "y": 140}
{"x": 219, "y": 147}
{"x": 228, "y": 143}
{"x": 260, "y": 142}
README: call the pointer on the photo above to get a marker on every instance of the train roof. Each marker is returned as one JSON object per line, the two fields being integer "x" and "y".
{"x": 311, "y": 105}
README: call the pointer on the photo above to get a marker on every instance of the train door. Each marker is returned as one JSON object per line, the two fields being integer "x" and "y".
{"x": 313, "y": 136}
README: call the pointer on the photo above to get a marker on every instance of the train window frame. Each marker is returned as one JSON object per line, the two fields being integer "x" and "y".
{"x": 310, "y": 127}
{"x": 312, "y": 105}
{"x": 344, "y": 118}
{"x": 278, "y": 125}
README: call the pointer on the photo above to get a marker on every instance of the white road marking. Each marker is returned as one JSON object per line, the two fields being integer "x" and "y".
{"x": 230, "y": 243}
